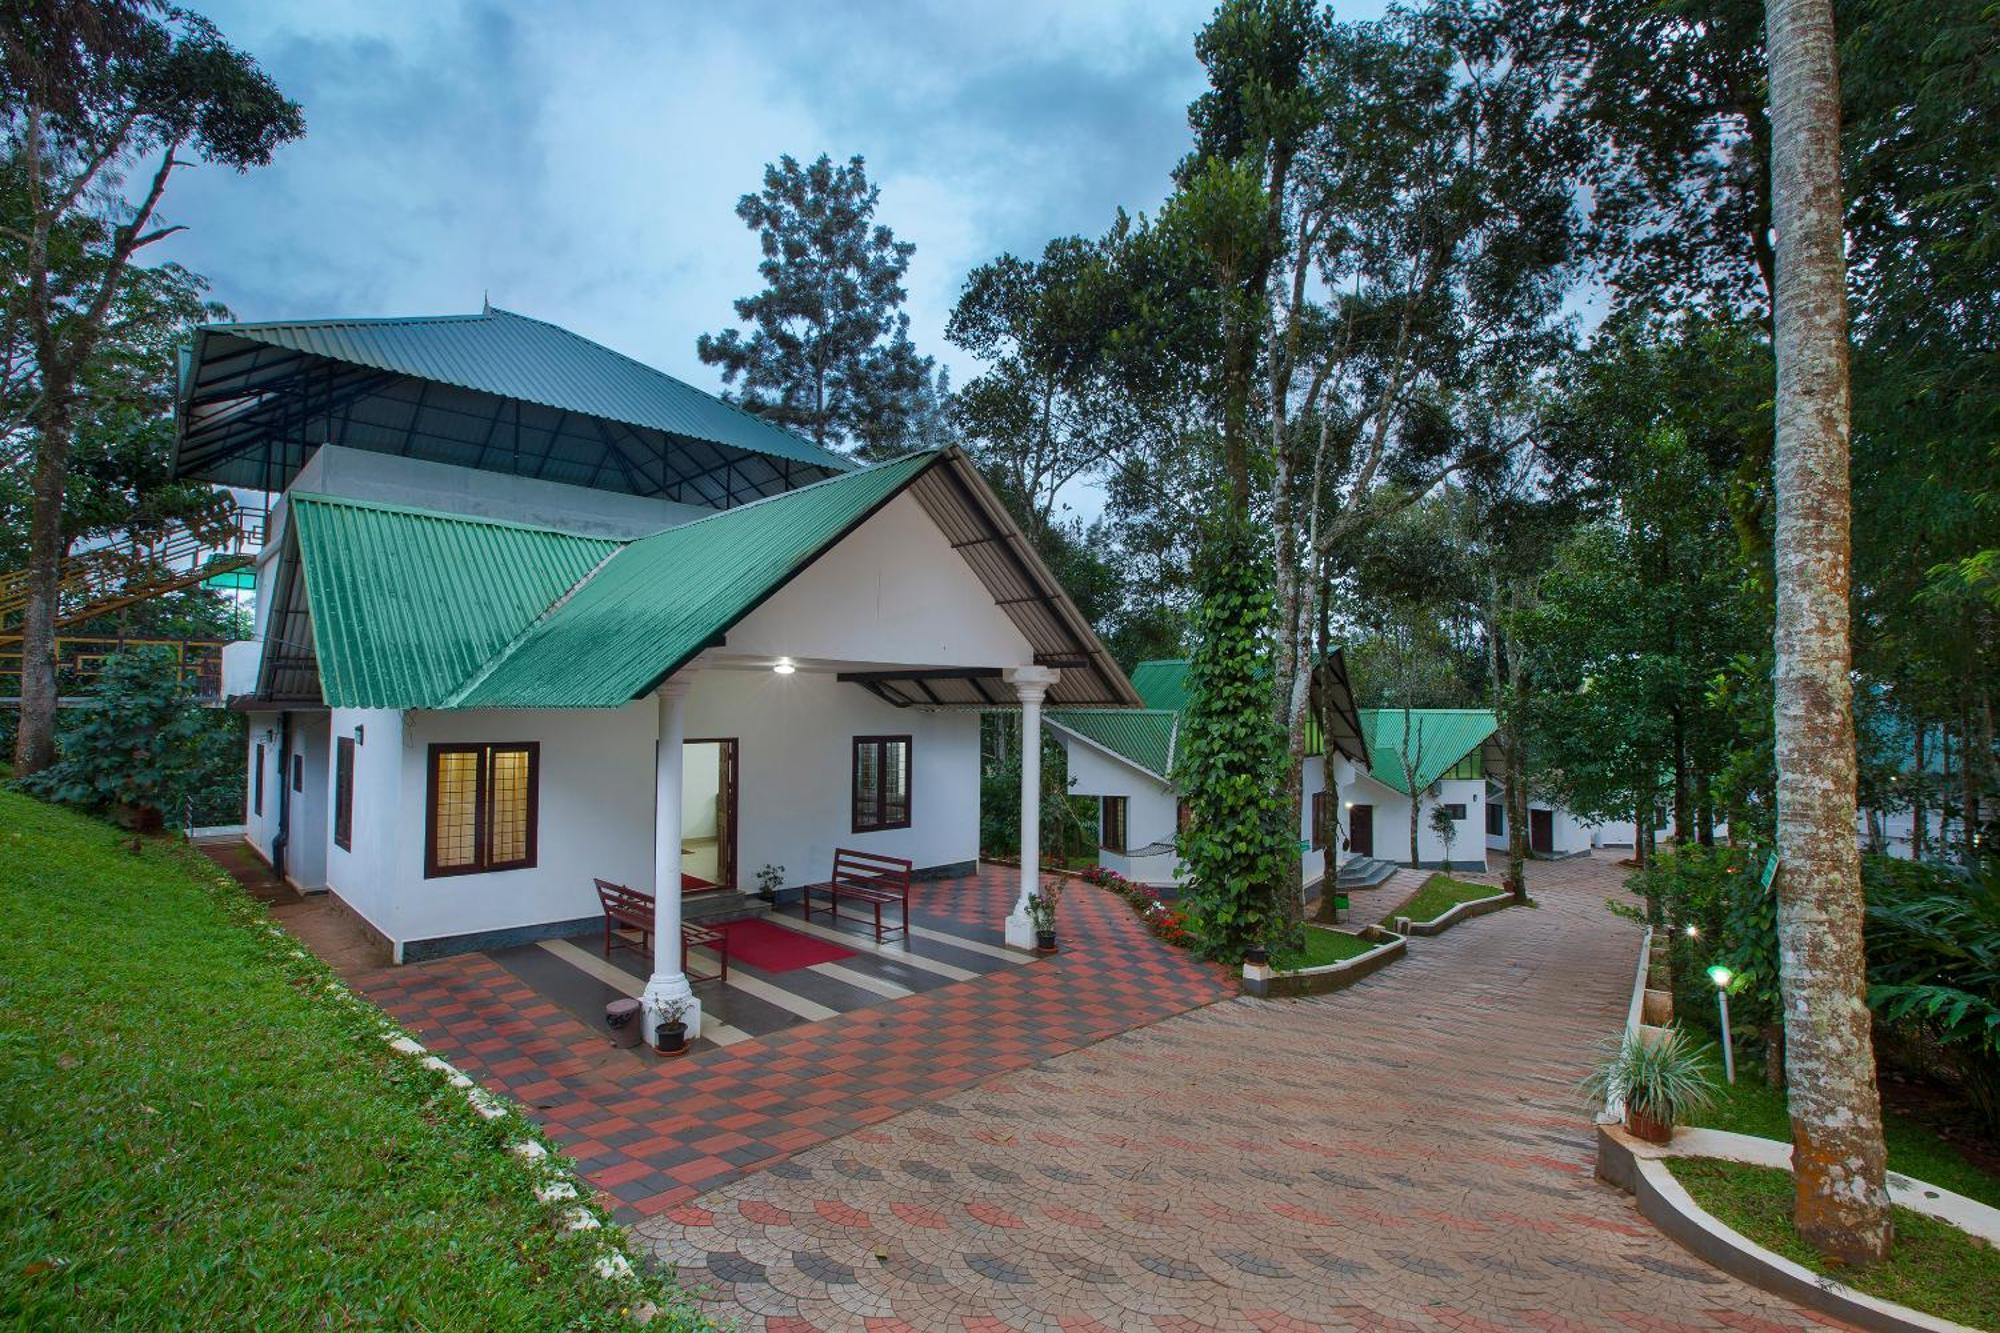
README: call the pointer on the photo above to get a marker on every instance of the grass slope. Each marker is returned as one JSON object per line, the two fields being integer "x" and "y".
{"x": 1439, "y": 895}
{"x": 1934, "y": 1267}
{"x": 1322, "y": 946}
{"x": 203, "y": 1130}
{"x": 1750, "y": 1107}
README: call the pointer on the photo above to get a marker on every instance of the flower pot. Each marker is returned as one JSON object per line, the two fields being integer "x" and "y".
{"x": 1045, "y": 941}
{"x": 670, "y": 1039}
{"x": 1257, "y": 957}
{"x": 1643, "y": 1125}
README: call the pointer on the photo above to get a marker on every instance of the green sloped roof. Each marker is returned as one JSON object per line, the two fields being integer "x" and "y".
{"x": 1144, "y": 737}
{"x": 1443, "y": 737}
{"x": 662, "y": 599}
{"x": 1162, "y": 683}
{"x": 408, "y": 604}
{"x": 513, "y": 356}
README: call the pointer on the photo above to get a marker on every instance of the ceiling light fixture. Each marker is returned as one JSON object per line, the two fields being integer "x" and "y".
{"x": 783, "y": 666}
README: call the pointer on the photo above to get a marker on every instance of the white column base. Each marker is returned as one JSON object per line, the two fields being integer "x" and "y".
{"x": 668, "y": 986}
{"x": 1020, "y": 931}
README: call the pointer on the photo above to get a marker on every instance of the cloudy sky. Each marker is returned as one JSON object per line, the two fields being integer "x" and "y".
{"x": 581, "y": 162}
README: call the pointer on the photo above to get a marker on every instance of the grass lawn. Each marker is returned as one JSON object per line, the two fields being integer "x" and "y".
{"x": 203, "y": 1130}
{"x": 1439, "y": 895}
{"x": 1322, "y": 946}
{"x": 1750, "y": 1107}
{"x": 1934, "y": 1267}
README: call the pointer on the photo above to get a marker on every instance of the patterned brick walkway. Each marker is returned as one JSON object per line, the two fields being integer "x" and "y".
{"x": 1408, "y": 1154}
{"x": 651, "y": 1134}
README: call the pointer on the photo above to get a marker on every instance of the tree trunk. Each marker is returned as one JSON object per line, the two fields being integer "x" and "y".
{"x": 35, "y": 738}
{"x": 1841, "y": 1204}
{"x": 1968, "y": 789}
{"x": 1917, "y": 812}
{"x": 1515, "y": 794}
{"x": 1683, "y": 792}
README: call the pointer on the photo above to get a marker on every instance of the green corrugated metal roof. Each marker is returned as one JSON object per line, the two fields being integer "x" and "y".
{"x": 1144, "y": 737}
{"x": 1162, "y": 683}
{"x": 663, "y": 598}
{"x": 408, "y": 603}
{"x": 511, "y": 355}
{"x": 1444, "y": 736}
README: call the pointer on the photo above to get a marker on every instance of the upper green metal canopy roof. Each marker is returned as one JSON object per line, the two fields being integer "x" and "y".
{"x": 1443, "y": 736}
{"x": 1162, "y": 683}
{"x": 409, "y": 608}
{"x": 495, "y": 391}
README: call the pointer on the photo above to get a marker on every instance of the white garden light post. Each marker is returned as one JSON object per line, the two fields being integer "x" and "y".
{"x": 1721, "y": 975}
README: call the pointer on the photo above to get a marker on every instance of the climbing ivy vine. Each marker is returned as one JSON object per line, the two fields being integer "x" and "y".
{"x": 1230, "y": 760}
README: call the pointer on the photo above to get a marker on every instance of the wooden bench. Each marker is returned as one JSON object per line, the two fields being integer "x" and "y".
{"x": 633, "y": 910}
{"x": 865, "y": 877}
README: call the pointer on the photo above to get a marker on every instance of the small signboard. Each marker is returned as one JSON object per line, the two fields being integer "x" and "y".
{"x": 1770, "y": 875}
{"x": 1305, "y": 844}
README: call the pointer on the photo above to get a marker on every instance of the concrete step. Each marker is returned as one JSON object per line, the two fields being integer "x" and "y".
{"x": 1363, "y": 872}
{"x": 716, "y": 905}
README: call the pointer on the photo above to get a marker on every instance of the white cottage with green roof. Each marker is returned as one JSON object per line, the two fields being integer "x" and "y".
{"x": 532, "y": 614}
{"x": 1125, "y": 758}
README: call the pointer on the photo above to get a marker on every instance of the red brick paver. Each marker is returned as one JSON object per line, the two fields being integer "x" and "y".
{"x": 653, "y": 1134}
{"x": 1407, "y": 1154}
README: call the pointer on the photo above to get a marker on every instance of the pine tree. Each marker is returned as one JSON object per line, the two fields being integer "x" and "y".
{"x": 828, "y": 353}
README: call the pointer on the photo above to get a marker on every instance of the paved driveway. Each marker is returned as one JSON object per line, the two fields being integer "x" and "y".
{"x": 1408, "y": 1154}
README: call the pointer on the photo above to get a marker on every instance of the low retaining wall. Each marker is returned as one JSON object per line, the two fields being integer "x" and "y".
{"x": 1463, "y": 912}
{"x": 1263, "y": 980}
{"x": 1641, "y": 1169}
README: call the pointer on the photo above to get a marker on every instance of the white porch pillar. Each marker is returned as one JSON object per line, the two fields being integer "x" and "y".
{"x": 668, "y": 981}
{"x": 1031, "y": 684}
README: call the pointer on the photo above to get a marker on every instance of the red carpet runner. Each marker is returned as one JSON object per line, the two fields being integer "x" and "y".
{"x": 775, "y": 949}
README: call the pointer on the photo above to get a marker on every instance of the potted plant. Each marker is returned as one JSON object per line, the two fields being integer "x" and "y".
{"x": 1659, "y": 1075}
{"x": 1042, "y": 911}
{"x": 769, "y": 880}
{"x": 670, "y": 1024}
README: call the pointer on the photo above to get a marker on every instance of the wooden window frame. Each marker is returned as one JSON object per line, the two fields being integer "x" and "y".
{"x": 1496, "y": 820}
{"x": 1317, "y": 818}
{"x": 257, "y": 784}
{"x": 1464, "y": 811}
{"x": 298, "y": 770}
{"x": 1105, "y": 805}
{"x": 859, "y": 823}
{"x": 482, "y": 834}
{"x": 343, "y": 793}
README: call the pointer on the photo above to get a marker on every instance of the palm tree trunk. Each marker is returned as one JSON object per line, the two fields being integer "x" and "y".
{"x": 1841, "y": 1204}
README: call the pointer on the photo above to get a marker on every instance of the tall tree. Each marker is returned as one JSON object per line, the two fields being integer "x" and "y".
{"x": 1842, "y": 1203}
{"x": 91, "y": 92}
{"x": 829, "y": 352}
{"x": 1050, "y": 407}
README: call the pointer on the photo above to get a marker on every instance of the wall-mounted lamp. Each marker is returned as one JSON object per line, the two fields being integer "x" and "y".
{"x": 358, "y": 733}
{"x": 784, "y": 666}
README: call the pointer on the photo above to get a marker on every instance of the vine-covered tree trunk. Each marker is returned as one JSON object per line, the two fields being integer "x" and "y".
{"x": 35, "y": 738}
{"x": 1841, "y": 1204}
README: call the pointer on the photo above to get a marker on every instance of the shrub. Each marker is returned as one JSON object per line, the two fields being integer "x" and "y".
{"x": 145, "y": 743}
{"x": 1666, "y": 1078}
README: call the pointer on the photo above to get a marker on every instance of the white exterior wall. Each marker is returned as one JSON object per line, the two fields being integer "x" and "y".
{"x": 370, "y": 872}
{"x": 1152, "y": 810}
{"x": 260, "y": 828}
{"x": 1392, "y": 820}
{"x": 595, "y": 819}
{"x": 310, "y": 819}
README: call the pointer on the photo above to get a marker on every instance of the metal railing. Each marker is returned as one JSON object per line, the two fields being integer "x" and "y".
{"x": 139, "y": 565}
{"x": 80, "y": 661}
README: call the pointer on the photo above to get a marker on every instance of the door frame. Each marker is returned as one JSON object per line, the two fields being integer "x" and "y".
{"x": 1542, "y": 831}
{"x": 1364, "y": 845}
{"x": 729, "y": 781}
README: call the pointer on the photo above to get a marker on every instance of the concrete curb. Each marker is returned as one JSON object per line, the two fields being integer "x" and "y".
{"x": 1264, "y": 981}
{"x": 1640, "y": 1168}
{"x": 1438, "y": 925}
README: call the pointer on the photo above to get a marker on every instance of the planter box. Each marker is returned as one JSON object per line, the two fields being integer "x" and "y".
{"x": 1462, "y": 912}
{"x": 1657, "y": 1009}
{"x": 1265, "y": 981}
